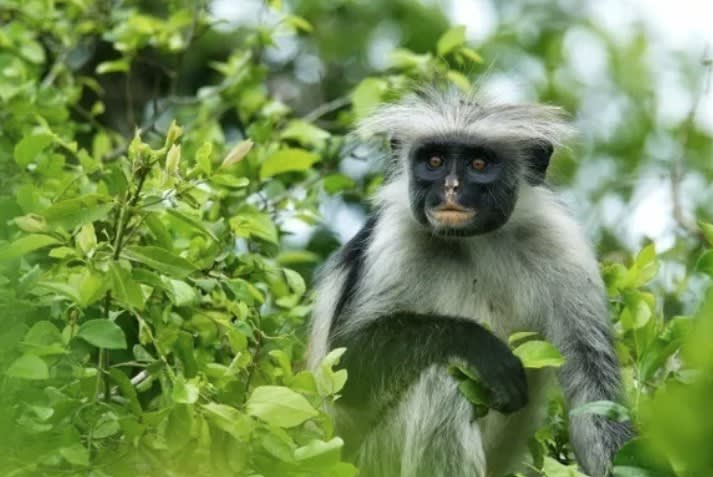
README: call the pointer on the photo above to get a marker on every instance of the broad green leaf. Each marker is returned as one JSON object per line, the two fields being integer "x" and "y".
{"x": 368, "y": 95}
{"x": 71, "y": 213}
{"x": 520, "y": 335}
{"x": 554, "y": 468}
{"x": 538, "y": 354}
{"x": 287, "y": 160}
{"x": 237, "y": 153}
{"x": 450, "y": 40}
{"x": 30, "y": 147}
{"x": 319, "y": 455}
{"x": 116, "y": 66}
{"x": 250, "y": 224}
{"x": 229, "y": 180}
{"x": 612, "y": 410}
{"x": 707, "y": 230}
{"x": 471, "y": 54}
{"x": 245, "y": 291}
{"x": 76, "y": 454}
{"x": 182, "y": 294}
{"x": 478, "y": 395}
{"x": 705, "y": 263}
{"x": 127, "y": 389}
{"x": 32, "y": 223}
{"x": 639, "y": 458}
{"x": 25, "y": 245}
{"x": 299, "y": 23}
{"x": 295, "y": 281}
{"x": 107, "y": 425}
{"x": 91, "y": 285}
{"x": 185, "y": 392}
{"x": 160, "y": 259}
{"x": 29, "y": 366}
{"x": 229, "y": 419}
{"x": 44, "y": 338}
{"x": 279, "y": 406}
{"x": 86, "y": 239}
{"x": 193, "y": 222}
{"x": 304, "y": 133}
{"x": 329, "y": 381}
{"x": 335, "y": 183}
{"x": 102, "y": 333}
{"x": 125, "y": 289}
{"x": 459, "y": 79}
{"x": 203, "y": 158}
{"x": 63, "y": 289}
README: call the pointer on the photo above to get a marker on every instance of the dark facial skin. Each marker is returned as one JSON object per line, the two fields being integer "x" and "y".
{"x": 464, "y": 188}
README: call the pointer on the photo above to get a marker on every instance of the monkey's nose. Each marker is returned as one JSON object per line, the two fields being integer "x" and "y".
{"x": 451, "y": 184}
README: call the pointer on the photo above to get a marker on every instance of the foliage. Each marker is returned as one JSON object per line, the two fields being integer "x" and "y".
{"x": 154, "y": 308}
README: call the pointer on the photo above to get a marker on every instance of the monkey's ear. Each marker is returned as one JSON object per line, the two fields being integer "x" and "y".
{"x": 538, "y": 159}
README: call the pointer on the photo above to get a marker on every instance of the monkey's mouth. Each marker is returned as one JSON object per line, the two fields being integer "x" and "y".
{"x": 450, "y": 215}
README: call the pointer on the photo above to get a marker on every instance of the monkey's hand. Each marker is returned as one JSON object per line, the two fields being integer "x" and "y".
{"x": 501, "y": 372}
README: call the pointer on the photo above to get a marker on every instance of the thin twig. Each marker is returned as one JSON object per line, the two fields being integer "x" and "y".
{"x": 326, "y": 108}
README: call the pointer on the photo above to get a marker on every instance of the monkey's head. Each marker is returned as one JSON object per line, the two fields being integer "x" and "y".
{"x": 466, "y": 161}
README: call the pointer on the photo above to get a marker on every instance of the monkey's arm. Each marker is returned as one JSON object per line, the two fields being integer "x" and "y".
{"x": 389, "y": 353}
{"x": 581, "y": 330}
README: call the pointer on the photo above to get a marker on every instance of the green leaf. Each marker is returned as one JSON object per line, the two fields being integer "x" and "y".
{"x": 63, "y": 289}
{"x": 126, "y": 290}
{"x": 237, "y": 153}
{"x": 299, "y": 23}
{"x": 335, "y": 183}
{"x": 25, "y": 245}
{"x": 29, "y": 147}
{"x": 520, "y": 335}
{"x": 705, "y": 263}
{"x": 478, "y": 395}
{"x": 304, "y": 133}
{"x": 102, "y": 333}
{"x": 76, "y": 454}
{"x": 554, "y": 468}
{"x": 287, "y": 160}
{"x": 185, "y": 392}
{"x": 279, "y": 406}
{"x": 318, "y": 455}
{"x": 250, "y": 224}
{"x": 193, "y": 222}
{"x": 639, "y": 458}
{"x": 127, "y": 389}
{"x": 538, "y": 354}
{"x": 458, "y": 79}
{"x": 368, "y": 95}
{"x": 29, "y": 366}
{"x": 229, "y": 180}
{"x": 71, "y": 213}
{"x": 707, "y": 230}
{"x": 450, "y": 40}
{"x": 612, "y": 410}
{"x": 330, "y": 382}
{"x": 116, "y": 66}
{"x": 161, "y": 260}
{"x": 182, "y": 294}
{"x": 86, "y": 239}
{"x": 229, "y": 419}
{"x": 44, "y": 338}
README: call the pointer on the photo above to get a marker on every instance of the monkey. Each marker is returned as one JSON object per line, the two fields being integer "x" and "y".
{"x": 466, "y": 245}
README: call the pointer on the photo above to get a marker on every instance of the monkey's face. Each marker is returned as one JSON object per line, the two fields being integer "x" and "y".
{"x": 462, "y": 188}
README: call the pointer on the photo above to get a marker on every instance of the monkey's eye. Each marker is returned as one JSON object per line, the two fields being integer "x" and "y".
{"x": 478, "y": 164}
{"x": 434, "y": 162}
